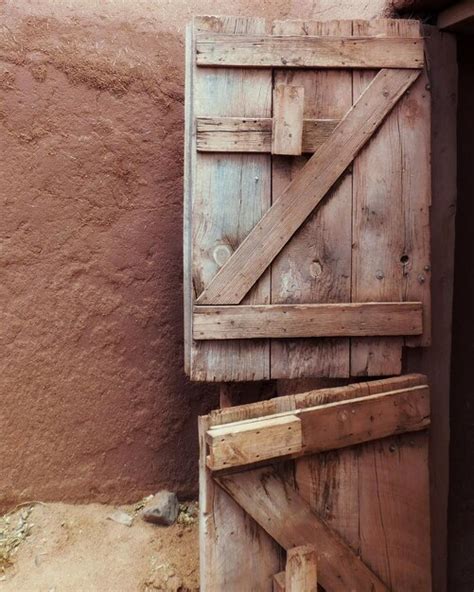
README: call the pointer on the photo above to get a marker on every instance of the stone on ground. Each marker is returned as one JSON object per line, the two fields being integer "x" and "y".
{"x": 162, "y": 509}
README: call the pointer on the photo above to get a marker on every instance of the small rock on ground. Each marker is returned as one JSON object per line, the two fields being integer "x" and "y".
{"x": 162, "y": 509}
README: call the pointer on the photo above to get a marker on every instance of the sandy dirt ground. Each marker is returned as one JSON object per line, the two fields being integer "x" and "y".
{"x": 78, "y": 548}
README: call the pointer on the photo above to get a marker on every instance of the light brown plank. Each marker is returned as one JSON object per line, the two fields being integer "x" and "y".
{"x": 240, "y": 134}
{"x": 314, "y": 397}
{"x": 279, "y": 582}
{"x": 301, "y": 569}
{"x": 238, "y": 186}
{"x": 394, "y": 511}
{"x": 246, "y": 443}
{"x": 287, "y": 124}
{"x": 391, "y": 240}
{"x": 458, "y": 18}
{"x": 308, "y": 52}
{"x": 274, "y": 503}
{"x": 327, "y": 427}
{"x": 288, "y": 212}
{"x": 315, "y": 265}
{"x": 307, "y": 320}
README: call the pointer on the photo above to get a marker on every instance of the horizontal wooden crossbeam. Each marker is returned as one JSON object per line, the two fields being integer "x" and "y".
{"x": 458, "y": 18}
{"x": 275, "y": 504}
{"x": 256, "y": 51}
{"x": 235, "y": 134}
{"x": 317, "y": 429}
{"x": 369, "y": 319}
{"x": 307, "y": 190}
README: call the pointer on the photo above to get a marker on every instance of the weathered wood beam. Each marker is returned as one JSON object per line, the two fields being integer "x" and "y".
{"x": 273, "y": 502}
{"x": 308, "y": 52}
{"x": 307, "y": 190}
{"x": 301, "y": 569}
{"x": 234, "y": 134}
{"x": 287, "y": 129}
{"x": 366, "y": 319}
{"x": 458, "y": 18}
{"x": 316, "y": 429}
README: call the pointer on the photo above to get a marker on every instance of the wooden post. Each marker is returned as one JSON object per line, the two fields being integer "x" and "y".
{"x": 301, "y": 572}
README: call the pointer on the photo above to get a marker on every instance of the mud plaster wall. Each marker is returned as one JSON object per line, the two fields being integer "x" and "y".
{"x": 94, "y": 403}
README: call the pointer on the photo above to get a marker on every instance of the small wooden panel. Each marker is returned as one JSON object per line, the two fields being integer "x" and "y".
{"x": 327, "y": 427}
{"x": 277, "y": 507}
{"x": 247, "y": 443}
{"x": 235, "y": 134}
{"x": 255, "y": 253}
{"x": 287, "y": 128}
{"x": 307, "y": 320}
{"x": 308, "y": 52}
{"x": 301, "y": 569}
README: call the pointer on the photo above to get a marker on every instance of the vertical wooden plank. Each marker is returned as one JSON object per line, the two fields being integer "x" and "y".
{"x": 287, "y": 125}
{"x": 235, "y": 553}
{"x": 391, "y": 194}
{"x": 315, "y": 266}
{"x": 394, "y": 511}
{"x": 301, "y": 569}
{"x": 230, "y": 194}
{"x": 435, "y": 360}
{"x": 279, "y": 582}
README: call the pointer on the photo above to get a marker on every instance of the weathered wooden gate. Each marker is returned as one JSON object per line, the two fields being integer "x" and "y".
{"x": 299, "y": 265}
{"x": 307, "y": 254}
{"x": 344, "y": 470}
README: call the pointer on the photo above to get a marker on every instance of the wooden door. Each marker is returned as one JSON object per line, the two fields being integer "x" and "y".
{"x": 342, "y": 470}
{"x": 307, "y": 236}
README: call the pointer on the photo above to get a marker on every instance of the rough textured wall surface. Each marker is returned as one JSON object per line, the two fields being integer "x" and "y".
{"x": 94, "y": 403}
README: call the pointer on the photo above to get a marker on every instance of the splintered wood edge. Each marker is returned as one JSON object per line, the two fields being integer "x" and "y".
{"x": 326, "y": 427}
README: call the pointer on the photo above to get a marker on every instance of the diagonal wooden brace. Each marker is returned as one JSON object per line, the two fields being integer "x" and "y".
{"x": 278, "y": 508}
{"x": 307, "y": 190}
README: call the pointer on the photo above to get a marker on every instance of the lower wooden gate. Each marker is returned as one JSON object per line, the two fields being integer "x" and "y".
{"x": 336, "y": 478}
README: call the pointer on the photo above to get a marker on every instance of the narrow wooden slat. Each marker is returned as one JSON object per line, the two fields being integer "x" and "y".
{"x": 308, "y": 52}
{"x": 277, "y": 507}
{"x": 315, "y": 265}
{"x": 279, "y": 582}
{"x": 458, "y": 18}
{"x": 305, "y": 192}
{"x": 328, "y": 427}
{"x": 301, "y": 569}
{"x": 235, "y": 134}
{"x": 307, "y": 320}
{"x": 247, "y": 443}
{"x": 287, "y": 128}
{"x": 238, "y": 186}
{"x": 391, "y": 242}
{"x": 312, "y": 398}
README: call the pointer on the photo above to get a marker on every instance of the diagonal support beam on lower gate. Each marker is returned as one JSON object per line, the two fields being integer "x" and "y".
{"x": 306, "y": 191}
{"x": 277, "y": 507}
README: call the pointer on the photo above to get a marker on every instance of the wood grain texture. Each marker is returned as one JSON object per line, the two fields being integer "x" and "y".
{"x": 394, "y": 511}
{"x": 279, "y": 582}
{"x": 240, "y": 134}
{"x": 314, "y": 397}
{"x": 301, "y": 569}
{"x": 308, "y": 52}
{"x": 287, "y": 124}
{"x": 276, "y": 505}
{"x": 307, "y": 320}
{"x": 315, "y": 264}
{"x": 305, "y": 192}
{"x": 391, "y": 241}
{"x": 238, "y": 187}
{"x": 318, "y": 429}
{"x": 246, "y": 443}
